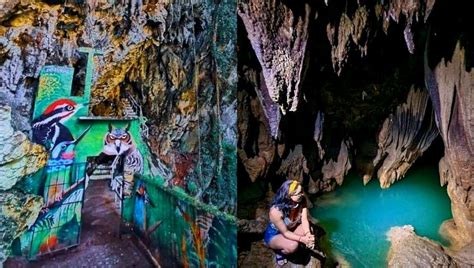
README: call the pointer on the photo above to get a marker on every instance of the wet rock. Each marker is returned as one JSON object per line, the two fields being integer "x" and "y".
{"x": 409, "y": 250}
{"x": 404, "y": 136}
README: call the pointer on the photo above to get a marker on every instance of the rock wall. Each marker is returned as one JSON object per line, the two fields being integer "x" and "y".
{"x": 353, "y": 103}
{"x": 321, "y": 156}
{"x": 278, "y": 34}
{"x": 404, "y": 136}
{"x": 408, "y": 249}
{"x": 18, "y": 158}
{"x": 174, "y": 64}
{"x": 451, "y": 85}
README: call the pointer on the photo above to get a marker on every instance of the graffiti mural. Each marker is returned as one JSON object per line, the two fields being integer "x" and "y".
{"x": 49, "y": 129}
{"x": 178, "y": 231}
{"x": 61, "y": 182}
{"x": 177, "y": 228}
{"x": 120, "y": 148}
{"x": 58, "y": 224}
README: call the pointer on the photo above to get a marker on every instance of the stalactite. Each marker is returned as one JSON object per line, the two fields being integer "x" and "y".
{"x": 450, "y": 87}
{"x": 348, "y": 29}
{"x": 409, "y": 9}
{"x": 336, "y": 169}
{"x": 318, "y": 133}
{"x": 404, "y": 137}
{"x": 278, "y": 36}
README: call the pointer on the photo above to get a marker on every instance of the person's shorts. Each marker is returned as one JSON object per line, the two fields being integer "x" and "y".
{"x": 270, "y": 232}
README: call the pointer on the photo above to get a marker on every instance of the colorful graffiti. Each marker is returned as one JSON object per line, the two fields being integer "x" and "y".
{"x": 120, "y": 148}
{"x": 177, "y": 229}
{"x": 58, "y": 224}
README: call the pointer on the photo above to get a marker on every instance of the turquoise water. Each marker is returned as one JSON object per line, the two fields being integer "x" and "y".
{"x": 356, "y": 217}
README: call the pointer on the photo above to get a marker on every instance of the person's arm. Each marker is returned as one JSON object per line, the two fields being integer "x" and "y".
{"x": 307, "y": 231}
{"x": 305, "y": 221}
{"x": 276, "y": 217}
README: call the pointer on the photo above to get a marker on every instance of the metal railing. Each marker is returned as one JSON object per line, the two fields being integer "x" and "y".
{"x": 58, "y": 225}
{"x": 178, "y": 228}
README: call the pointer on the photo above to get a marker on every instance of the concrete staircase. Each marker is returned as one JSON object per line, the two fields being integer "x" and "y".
{"x": 102, "y": 172}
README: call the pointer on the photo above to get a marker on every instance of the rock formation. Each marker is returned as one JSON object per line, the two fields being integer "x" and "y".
{"x": 404, "y": 136}
{"x": 275, "y": 29}
{"x": 409, "y": 250}
{"x": 451, "y": 89}
{"x": 278, "y": 34}
{"x": 18, "y": 158}
{"x": 360, "y": 111}
{"x": 257, "y": 149}
{"x": 336, "y": 169}
{"x": 294, "y": 166}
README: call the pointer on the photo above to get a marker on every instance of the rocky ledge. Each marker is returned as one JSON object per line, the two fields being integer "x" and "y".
{"x": 410, "y": 250}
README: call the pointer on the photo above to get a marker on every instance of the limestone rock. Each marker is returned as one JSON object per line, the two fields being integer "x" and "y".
{"x": 450, "y": 87}
{"x": 18, "y": 156}
{"x": 257, "y": 149}
{"x": 410, "y": 10}
{"x": 464, "y": 257}
{"x": 17, "y": 212}
{"x": 348, "y": 29}
{"x": 278, "y": 35}
{"x": 404, "y": 136}
{"x": 294, "y": 166}
{"x": 318, "y": 133}
{"x": 7, "y": 7}
{"x": 336, "y": 169}
{"x": 409, "y": 250}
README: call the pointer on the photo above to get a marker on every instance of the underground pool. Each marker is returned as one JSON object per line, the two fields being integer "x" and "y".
{"x": 356, "y": 217}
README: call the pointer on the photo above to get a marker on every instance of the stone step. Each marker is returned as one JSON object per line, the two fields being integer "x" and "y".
{"x": 104, "y": 168}
{"x": 102, "y": 173}
{"x": 100, "y": 177}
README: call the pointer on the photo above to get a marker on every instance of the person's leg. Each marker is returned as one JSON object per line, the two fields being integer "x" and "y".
{"x": 286, "y": 246}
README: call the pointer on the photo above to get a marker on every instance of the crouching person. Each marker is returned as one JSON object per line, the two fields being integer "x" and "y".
{"x": 289, "y": 226}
